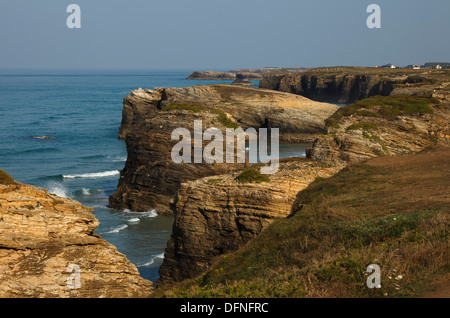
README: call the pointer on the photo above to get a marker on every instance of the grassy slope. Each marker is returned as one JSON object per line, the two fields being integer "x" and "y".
{"x": 391, "y": 211}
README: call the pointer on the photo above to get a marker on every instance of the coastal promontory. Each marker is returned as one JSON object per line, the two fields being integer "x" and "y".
{"x": 150, "y": 178}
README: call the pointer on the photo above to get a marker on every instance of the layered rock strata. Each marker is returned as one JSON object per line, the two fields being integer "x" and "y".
{"x": 346, "y": 85}
{"x": 360, "y": 137}
{"x": 211, "y": 75}
{"x": 150, "y": 178}
{"x": 217, "y": 215}
{"x": 48, "y": 249}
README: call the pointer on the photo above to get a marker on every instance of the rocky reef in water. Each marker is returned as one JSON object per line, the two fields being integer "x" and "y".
{"x": 150, "y": 178}
{"x": 45, "y": 239}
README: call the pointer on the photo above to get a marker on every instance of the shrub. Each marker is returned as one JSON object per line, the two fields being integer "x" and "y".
{"x": 5, "y": 178}
{"x": 224, "y": 120}
{"x": 252, "y": 175}
{"x": 362, "y": 126}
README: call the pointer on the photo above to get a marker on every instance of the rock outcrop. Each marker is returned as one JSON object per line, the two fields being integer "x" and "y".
{"x": 150, "y": 178}
{"x": 373, "y": 128}
{"x": 217, "y": 215}
{"x": 46, "y": 241}
{"x": 346, "y": 85}
{"x": 212, "y": 75}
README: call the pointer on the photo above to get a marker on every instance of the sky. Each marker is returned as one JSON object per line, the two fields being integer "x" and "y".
{"x": 211, "y": 34}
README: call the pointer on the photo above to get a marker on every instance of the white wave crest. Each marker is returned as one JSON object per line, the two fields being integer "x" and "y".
{"x": 117, "y": 229}
{"x": 92, "y": 175}
{"x": 134, "y": 220}
{"x": 58, "y": 189}
{"x": 152, "y": 260}
{"x": 149, "y": 214}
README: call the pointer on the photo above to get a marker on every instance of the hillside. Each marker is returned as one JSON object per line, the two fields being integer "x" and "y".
{"x": 390, "y": 211}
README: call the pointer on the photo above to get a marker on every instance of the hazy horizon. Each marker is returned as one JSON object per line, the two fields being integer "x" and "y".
{"x": 212, "y": 35}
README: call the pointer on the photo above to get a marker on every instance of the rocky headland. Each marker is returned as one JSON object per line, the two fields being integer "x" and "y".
{"x": 150, "y": 178}
{"x": 213, "y": 75}
{"x": 346, "y": 85}
{"x": 219, "y": 214}
{"x": 216, "y": 212}
{"x": 46, "y": 239}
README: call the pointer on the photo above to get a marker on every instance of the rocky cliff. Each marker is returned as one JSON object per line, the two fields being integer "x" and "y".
{"x": 150, "y": 178}
{"x": 346, "y": 85}
{"x": 46, "y": 241}
{"x": 217, "y": 215}
{"x": 383, "y": 126}
{"x": 211, "y": 75}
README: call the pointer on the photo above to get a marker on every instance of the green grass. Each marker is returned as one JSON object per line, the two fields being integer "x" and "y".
{"x": 253, "y": 176}
{"x": 384, "y": 106}
{"x": 214, "y": 181}
{"x": 362, "y": 126}
{"x": 190, "y": 108}
{"x": 5, "y": 178}
{"x": 193, "y": 108}
{"x": 224, "y": 120}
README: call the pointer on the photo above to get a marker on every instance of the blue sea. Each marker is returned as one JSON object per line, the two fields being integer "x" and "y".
{"x": 58, "y": 130}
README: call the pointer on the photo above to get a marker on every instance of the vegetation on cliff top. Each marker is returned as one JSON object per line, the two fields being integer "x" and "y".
{"x": 384, "y": 106}
{"x": 194, "y": 108}
{"x": 252, "y": 175}
{"x": 5, "y": 178}
{"x": 379, "y": 212}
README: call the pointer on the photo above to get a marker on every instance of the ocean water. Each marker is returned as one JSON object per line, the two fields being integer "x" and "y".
{"x": 58, "y": 130}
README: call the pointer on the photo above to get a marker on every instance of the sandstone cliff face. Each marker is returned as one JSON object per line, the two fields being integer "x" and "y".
{"x": 150, "y": 179}
{"x": 343, "y": 89}
{"x": 217, "y": 215}
{"x": 347, "y": 85}
{"x": 44, "y": 239}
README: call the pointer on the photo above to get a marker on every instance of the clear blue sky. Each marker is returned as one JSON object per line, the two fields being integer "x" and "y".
{"x": 210, "y": 34}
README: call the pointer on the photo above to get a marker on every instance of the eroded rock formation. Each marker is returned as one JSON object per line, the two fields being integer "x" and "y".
{"x": 150, "y": 178}
{"x": 217, "y": 215}
{"x": 345, "y": 85}
{"x": 211, "y": 75}
{"x": 367, "y": 134}
{"x": 45, "y": 239}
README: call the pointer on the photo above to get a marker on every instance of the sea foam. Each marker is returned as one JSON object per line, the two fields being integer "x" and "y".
{"x": 92, "y": 175}
{"x": 117, "y": 229}
{"x": 152, "y": 260}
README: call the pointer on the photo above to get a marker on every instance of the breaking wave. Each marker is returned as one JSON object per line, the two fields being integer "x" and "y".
{"x": 92, "y": 175}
